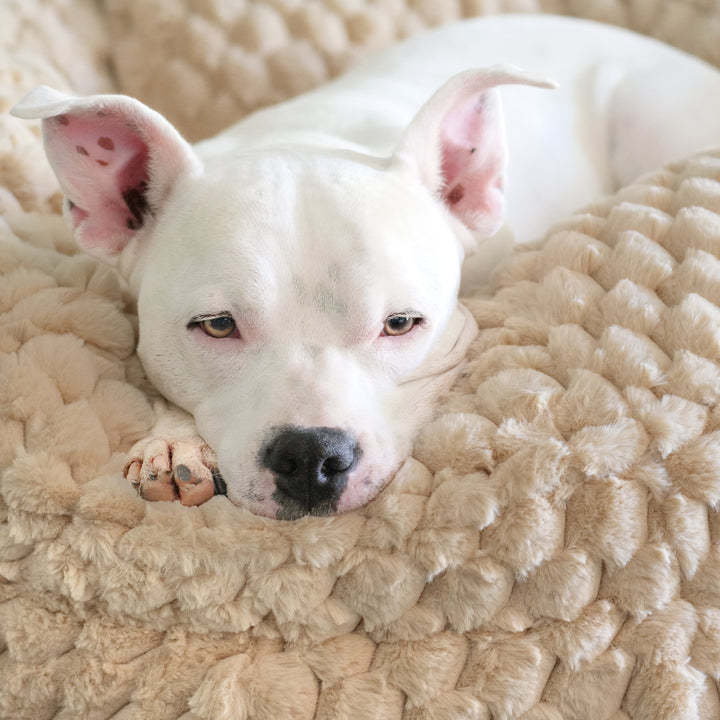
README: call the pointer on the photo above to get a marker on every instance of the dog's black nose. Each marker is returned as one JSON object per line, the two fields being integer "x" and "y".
{"x": 311, "y": 466}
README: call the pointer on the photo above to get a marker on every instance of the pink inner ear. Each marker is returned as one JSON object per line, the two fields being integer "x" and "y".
{"x": 473, "y": 162}
{"x": 102, "y": 161}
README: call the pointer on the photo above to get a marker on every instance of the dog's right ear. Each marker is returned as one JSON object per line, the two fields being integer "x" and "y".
{"x": 456, "y": 144}
{"x": 116, "y": 160}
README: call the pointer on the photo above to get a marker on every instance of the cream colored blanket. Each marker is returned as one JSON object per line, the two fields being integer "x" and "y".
{"x": 551, "y": 551}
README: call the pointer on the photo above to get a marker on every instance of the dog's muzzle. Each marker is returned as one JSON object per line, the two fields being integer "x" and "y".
{"x": 311, "y": 468}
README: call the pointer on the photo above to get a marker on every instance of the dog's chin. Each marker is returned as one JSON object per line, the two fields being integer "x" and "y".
{"x": 292, "y": 510}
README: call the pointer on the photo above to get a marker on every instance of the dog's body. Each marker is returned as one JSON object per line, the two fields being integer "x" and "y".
{"x": 297, "y": 275}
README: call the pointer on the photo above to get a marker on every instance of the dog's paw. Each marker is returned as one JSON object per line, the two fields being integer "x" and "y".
{"x": 183, "y": 470}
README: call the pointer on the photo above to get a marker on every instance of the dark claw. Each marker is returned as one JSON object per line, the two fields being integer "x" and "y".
{"x": 220, "y": 486}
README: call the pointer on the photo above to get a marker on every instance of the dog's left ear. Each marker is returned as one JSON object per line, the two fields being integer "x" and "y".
{"x": 456, "y": 143}
{"x": 116, "y": 160}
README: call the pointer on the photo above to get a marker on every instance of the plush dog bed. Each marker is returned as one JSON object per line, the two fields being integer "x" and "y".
{"x": 551, "y": 551}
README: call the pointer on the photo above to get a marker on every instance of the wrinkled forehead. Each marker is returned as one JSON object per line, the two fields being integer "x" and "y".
{"x": 289, "y": 218}
{"x": 313, "y": 195}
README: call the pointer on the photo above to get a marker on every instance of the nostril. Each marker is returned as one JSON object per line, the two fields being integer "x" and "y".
{"x": 281, "y": 464}
{"x": 331, "y": 465}
{"x": 338, "y": 463}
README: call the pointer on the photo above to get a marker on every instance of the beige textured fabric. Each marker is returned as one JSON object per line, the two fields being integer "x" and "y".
{"x": 205, "y": 64}
{"x": 551, "y": 551}
{"x": 63, "y": 43}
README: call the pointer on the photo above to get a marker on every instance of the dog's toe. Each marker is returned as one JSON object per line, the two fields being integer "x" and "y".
{"x": 149, "y": 471}
{"x": 192, "y": 470}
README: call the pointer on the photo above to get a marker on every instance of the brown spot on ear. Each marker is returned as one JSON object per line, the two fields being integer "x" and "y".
{"x": 80, "y": 149}
{"x": 455, "y": 195}
{"x": 102, "y": 162}
{"x": 63, "y": 119}
{"x": 106, "y": 143}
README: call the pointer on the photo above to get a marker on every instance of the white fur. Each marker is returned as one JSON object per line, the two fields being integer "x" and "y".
{"x": 313, "y": 221}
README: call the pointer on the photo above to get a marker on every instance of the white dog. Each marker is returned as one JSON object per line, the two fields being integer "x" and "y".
{"x": 297, "y": 276}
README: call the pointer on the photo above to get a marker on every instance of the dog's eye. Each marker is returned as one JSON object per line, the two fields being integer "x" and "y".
{"x": 400, "y": 324}
{"x": 218, "y": 327}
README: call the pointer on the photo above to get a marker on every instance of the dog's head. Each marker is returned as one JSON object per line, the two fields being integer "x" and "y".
{"x": 299, "y": 301}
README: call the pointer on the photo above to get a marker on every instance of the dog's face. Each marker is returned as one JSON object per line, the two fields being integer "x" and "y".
{"x": 300, "y": 303}
{"x": 289, "y": 311}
